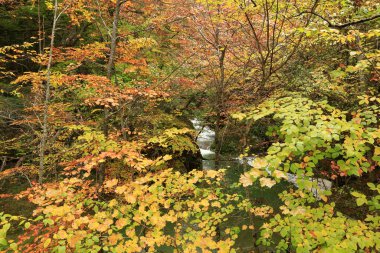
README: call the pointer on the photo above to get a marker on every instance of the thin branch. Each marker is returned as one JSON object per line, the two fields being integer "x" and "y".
{"x": 340, "y": 26}
{"x": 176, "y": 69}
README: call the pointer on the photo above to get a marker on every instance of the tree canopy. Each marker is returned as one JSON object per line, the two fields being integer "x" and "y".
{"x": 99, "y": 151}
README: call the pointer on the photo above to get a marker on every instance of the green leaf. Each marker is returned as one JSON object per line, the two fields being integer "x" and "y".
{"x": 13, "y": 246}
{"x": 48, "y": 222}
{"x": 3, "y": 242}
{"x": 371, "y": 186}
{"x": 61, "y": 249}
{"x": 357, "y": 194}
{"x": 361, "y": 201}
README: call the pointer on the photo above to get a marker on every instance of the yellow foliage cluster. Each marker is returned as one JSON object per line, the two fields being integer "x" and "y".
{"x": 159, "y": 209}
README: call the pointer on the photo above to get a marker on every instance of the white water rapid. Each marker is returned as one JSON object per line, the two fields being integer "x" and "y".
{"x": 205, "y": 139}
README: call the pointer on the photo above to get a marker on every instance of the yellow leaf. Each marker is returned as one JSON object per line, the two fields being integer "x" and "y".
{"x": 111, "y": 183}
{"x": 205, "y": 203}
{"x": 211, "y": 173}
{"x": 279, "y": 174}
{"x": 245, "y": 180}
{"x": 121, "y": 223}
{"x": 377, "y": 151}
{"x": 216, "y": 204}
{"x": 62, "y": 234}
{"x": 112, "y": 203}
{"x": 47, "y": 242}
{"x": 260, "y": 163}
{"x": 72, "y": 241}
{"x": 114, "y": 238}
{"x": 255, "y": 173}
{"x": 167, "y": 157}
{"x": 267, "y": 182}
{"x": 120, "y": 189}
{"x": 93, "y": 225}
{"x": 49, "y": 5}
{"x": 130, "y": 198}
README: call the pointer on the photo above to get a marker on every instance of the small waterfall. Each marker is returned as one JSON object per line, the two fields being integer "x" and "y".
{"x": 205, "y": 138}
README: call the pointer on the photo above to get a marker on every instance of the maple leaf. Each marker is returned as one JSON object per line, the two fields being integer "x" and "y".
{"x": 114, "y": 238}
{"x": 279, "y": 174}
{"x": 259, "y": 163}
{"x": 255, "y": 173}
{"x": 130, "y": 198}
{"x": 245, "y": 179}
{"x": 120, "y": 223}
{"x": 120, "y": 189}
{"x": 111, "y": 183}
{"x": 264, "y": 181}
{"x": 212, "y": 173}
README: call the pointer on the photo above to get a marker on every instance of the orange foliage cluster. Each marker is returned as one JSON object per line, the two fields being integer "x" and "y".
{"x": 101, "y": 92}
{"x": 129, "y": 153}
{"x": 89, "y": 52}
{"x": 14, "y": 171}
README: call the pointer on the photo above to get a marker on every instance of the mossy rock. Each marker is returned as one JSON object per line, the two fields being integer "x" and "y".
{"x": 173, "y": 136}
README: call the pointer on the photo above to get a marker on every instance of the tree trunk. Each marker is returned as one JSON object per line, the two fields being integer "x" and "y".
{"x": 219, "y": 106}
{"x": 110, "y": 72}
{"x": 39, "y": 27}
{"x": 47, "y": 98}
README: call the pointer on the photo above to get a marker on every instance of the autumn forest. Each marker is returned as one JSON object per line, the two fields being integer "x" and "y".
{"x": 189, "y": 126}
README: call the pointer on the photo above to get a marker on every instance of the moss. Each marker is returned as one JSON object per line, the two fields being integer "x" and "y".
{"x": 160, "y": 121}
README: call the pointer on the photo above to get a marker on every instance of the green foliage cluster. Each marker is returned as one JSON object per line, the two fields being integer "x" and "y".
{"x": 318, "y": 227}
{"x": 310, "y": 132}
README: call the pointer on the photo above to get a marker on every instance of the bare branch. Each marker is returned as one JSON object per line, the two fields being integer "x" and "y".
{"x": 340, "y": 26}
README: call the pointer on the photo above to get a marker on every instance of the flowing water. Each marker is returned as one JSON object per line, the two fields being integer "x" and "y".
{"x": 258, "y": 195}
{"x": 205, "y": 139}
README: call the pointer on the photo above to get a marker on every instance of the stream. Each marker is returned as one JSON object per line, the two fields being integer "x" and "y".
{"x": 258, "y": 195}
{"x": 205, "y": 139}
